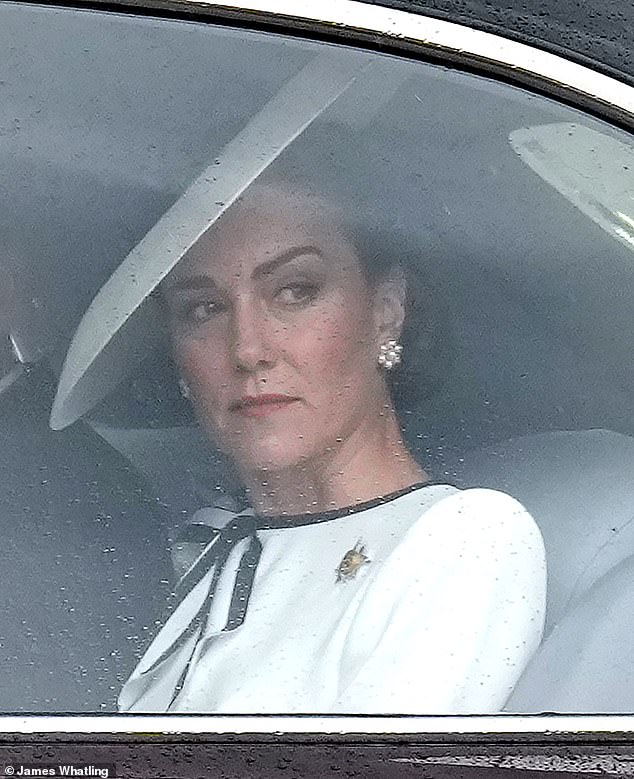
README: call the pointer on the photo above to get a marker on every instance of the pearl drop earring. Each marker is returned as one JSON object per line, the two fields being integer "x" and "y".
{"x": 390, "y": 354}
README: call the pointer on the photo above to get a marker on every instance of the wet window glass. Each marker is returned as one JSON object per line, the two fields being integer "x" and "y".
{"x": 315, "y": 380}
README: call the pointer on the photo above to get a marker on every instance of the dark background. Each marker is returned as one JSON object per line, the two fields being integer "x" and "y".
{"x": 313, "y": 757}
{"x": 599, "y": 33}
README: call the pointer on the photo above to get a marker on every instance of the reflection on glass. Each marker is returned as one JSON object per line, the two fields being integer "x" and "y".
{"x": 591, "y": 169}
{"x": 336, "y": 323}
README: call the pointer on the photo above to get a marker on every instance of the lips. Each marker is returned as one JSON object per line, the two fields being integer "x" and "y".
{"x": 262, "y": 405}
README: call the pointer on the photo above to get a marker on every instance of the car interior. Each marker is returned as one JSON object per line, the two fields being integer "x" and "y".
{"x": 520, "y": 210}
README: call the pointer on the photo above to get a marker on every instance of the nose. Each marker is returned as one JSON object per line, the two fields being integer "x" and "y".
{"x": 252, "y": 349}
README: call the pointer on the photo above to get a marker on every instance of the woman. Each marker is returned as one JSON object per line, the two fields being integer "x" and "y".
{"x": 352, "y": 583}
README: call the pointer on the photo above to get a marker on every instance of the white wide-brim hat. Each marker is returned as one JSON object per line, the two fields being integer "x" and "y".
{"x": 122, "y": 324}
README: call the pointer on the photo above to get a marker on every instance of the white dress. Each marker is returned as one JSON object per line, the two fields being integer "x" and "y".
{"x": 437, "y": 611}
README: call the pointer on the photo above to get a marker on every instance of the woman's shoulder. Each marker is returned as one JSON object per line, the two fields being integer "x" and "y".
{"x": 469, "y": 540}
{"x": 482, "y": 506}
{"x": 444, "y": 506}
{"x": 478, "y": 521}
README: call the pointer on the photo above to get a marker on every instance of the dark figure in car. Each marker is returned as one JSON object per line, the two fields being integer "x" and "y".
{"x": 81, "y": 557}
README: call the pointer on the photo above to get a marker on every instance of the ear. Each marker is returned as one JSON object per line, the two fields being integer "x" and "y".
{"x": 389, "y": 306}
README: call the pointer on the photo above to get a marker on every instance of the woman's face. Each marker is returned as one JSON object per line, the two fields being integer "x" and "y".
{"x": 276, "y": 331}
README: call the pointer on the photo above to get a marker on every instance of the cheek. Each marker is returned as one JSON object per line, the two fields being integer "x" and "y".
{"x": 334, "y": 342}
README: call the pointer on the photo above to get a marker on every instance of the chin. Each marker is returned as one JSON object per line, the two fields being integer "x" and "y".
{"x": 277, "y": 454}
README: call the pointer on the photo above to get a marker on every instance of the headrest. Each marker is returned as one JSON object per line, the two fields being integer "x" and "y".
{"x": 579, "y": 487}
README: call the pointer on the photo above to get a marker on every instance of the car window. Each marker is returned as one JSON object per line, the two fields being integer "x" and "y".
{"x": 316, "y": 389}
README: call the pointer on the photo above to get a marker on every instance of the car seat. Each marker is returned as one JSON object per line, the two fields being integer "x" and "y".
{"x": 579, "y": 487}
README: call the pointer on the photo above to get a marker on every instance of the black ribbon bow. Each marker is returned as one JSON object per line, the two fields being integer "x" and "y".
{"x": 219, "y": 547}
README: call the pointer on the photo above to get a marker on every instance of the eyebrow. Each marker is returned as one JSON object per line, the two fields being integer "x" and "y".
{"x": 201, "y": 281}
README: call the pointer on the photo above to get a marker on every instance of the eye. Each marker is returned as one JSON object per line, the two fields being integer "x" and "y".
{"x": 297, "y": 293}
{"x": 201, "y": 311}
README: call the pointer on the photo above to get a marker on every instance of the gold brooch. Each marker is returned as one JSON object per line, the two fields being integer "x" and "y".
{"x": 352, "y": 560}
